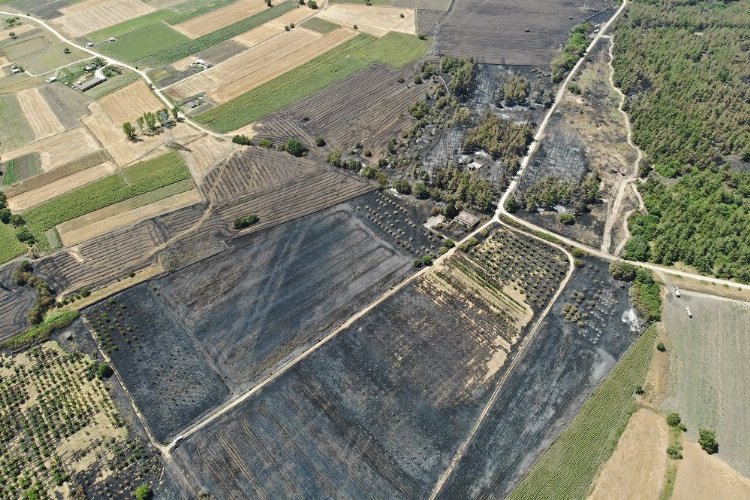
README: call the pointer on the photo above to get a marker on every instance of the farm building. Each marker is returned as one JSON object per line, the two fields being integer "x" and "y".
{"x": 91, "y": 83}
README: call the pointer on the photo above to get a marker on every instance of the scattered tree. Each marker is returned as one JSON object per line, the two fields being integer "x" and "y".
{"x": 295, "y": 148}
{"x": 129, "y": 130}
{"x": 402, "y": 186}
{"x": 661, "y": 347}
{"x": 242, "y": 140}
{"x": 246, "y": 221}
{"x": 707, "y": 440}
{"x": 312, "y": 4}
{"x": 673, "y": 419}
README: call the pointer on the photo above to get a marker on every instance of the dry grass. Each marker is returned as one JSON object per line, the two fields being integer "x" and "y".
{"x": 219, "y": 18}
{"x": 41, "y": 118}
{"x": 273, "y": 28}
{"x": 375, "y": 20}
{"x": 39, "y": 195}
{"x": 92, "y": 15}
{"x": 204, "y": 153}
{"x": 702, "y": 476}
{"x": 129, "y": 103}
{"x": 58, "y": 149}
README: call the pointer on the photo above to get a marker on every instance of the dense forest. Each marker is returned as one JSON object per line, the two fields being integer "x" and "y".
{"x": 685, "y": 67}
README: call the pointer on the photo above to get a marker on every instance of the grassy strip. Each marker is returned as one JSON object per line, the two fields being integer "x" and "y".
{"x": 395, "y": 49}
{"x": 88, "y": 161}
{"x": 113, "y": 84}
{"x": 130, "y": 25}
{"x": 140, "y": 178}
{"x": 10, "y": 247}
{"x": 568, "y": 467}
{"x": 41, "y": 332}
{"x": 9, "y": 173}
{"x": 176, "y": 52}
{"x": 319, "y": 25}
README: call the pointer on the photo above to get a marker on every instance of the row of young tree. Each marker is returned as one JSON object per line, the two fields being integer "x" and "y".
{"x": 149, "y": 122}
{"x": 684, "y": 67}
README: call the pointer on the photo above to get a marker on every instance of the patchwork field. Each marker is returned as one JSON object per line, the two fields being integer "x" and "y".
{"x": 395, "y": 49}
{"x": 375, "y": 20}
{"x": 58, "y": 149}
{"x": 204, "y": 152}
{"x": 710, "y": 371}
{"x": 380, "y": 409}
{"x": 92, "y": 15}
{"x": 219, "y": 18}
{"x": 17, "y": 131}
{"x": 272, "y": 28}
{"x": 131, "y": 102}
{"x": 42, "y": 120}
{"x": 509, "y": 32}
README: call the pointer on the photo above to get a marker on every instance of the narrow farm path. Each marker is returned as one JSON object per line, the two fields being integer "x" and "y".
{"x": 613, "y": 214}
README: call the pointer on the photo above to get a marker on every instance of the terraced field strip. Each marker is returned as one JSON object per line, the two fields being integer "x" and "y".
{"x": 265, "y": 58}
{"x": 33, "y": 197}
{"x": 129, "y": 103}
{"x": 219, "y": 18}
{"x": 394, "y": 49}
{"x": 133, "y": 181}
{"x": 41, "y": 118}
{"x": 58, "y": 149}
{"x": 375, "y": 20}
{"x": 92, "y": 15}
{"x": 167, "y": 199}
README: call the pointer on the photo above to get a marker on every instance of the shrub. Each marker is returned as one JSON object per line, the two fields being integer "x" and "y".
{"x": 707, "y": 440}
{"x": 320, "y": 142}
{"x": 242, "y": 140}
{"x": 246, "y": 221}
{"x": 143, "y": 492}
{"x": 295, "y": 148}
{"x": 673, "y": 419}
{"x": 24, "y": 235}
{"x": 402, "y": 186}
{"x": 451, "y": 210}
{"x": 661, "y": 347}
{"x": 420, "y": 191}
{"x": 567, "y": 219}
{"x": 427, "y": 260}
{"x": 265, "y": 143}
{"x": 674, "y": 452}
{"x": 622, "y": 271}
{"x": 16, "y": 220}
{"x": 312, "y": 4}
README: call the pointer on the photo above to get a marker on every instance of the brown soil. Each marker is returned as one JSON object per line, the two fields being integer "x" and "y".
{"x": 702, "y": 476}
{"x": 375, "y": 20}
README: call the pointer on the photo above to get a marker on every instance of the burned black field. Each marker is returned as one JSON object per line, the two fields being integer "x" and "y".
{"x": 380, "y": 410}
{"x": 588, "y": 329}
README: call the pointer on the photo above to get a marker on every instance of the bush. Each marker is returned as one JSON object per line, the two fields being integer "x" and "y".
{"x": 16, "y": 220}
{"x": 427, "y": 260}
{"x": 567, "y": 219}
{"x": 707, "y": 440}
{"x": 143, "y": 492}
{"x": 402, "y": 186}
{"x": 242, "y": 140}
{"x": 312, "y": 4}
{"x": 622, "y": 271}
{"x": 295, "y": 148}
{"x": 661, "y": 347}
{"x": 450, "y": 210}
{"x": 265, "y": 143}
{"x": 25, "y": 236}
{"x": 674, "y": 452}
{"x": 673, "y": 419}
{"x": 420, "y": 191}
{"x": 320, "y": 142}
{"x": 247, "y": 221}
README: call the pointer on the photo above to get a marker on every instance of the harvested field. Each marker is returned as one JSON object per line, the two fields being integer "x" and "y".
{"x": 272, "y": 28}
{"x": 131, "y": 102}
{"x": 242, "y": 73}
{"x": 636, "y": 468}
{"x": 15, "y": 302}
{"x": 10, "y": 247}
{"x": 128, "y": 212}
{"x": 511, "y": 32}
{"x": 214, "y": 55}
{"x": 379, "y": 410}
{"x": 204, "y": 152}
{"x": 58, "y": 149}
{"x": 68, "y": 105}
{"x": 92, "y": 15}
{"x": 701, "y": 476}
{"x": 219, "y": 18}
{"x": 366, "y": 108}
{"x": 372, "y": 19}
{"x": 158, "y": 362}
{"x": 428, "y": 21}
{"x": 16, "y": 130}
{"x": 33, "y": 197}
{"x": 120, "y": 29}
{"x": 42, "y": 120}
{"x": 21, "y": 168}
{"x": 560, "y": 367}
{"x": 710, "y": 371}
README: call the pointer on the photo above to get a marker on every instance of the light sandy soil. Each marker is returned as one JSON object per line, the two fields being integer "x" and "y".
{"x": 117, "y": 286}
{"x": 375, "y": 20}
{"x": 129, "y": 103}
{"x": 636, "y": 468}
{"x": 34, "y": 197}
{"x": 710, "y": 288}
{"x": 120, "y": 215}
{"x": 214, "y": 20}
{"x": 58, "y": 149}
{"x": 92, "y": 15}
{"x": 273, "y": 28}
{"x": 702, "y": 476}
{"x": 41, "y": 118}
{"x": 204, "y": 153}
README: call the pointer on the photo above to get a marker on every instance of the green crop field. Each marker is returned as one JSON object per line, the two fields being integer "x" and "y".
{"x": 394, "y": 49}
{"x": 130, "y": 25}
{"x": 49, "y": 59}
{"x": 15, "y": 130}
{"x": 10, "y": 247}
{"x": 568, "y": 467}
{"x": 141, "y": 178}
{"x": 319, "y": 25}
{"x": 113, "y": 84}
{"x": 21, "y": 168}
{"x": 194, "y": 8}
{"x": 144, "y": 42}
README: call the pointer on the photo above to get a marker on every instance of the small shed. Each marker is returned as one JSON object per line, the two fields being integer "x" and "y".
{"x": 91, "y": 83}
{"x": 467, "y": 219}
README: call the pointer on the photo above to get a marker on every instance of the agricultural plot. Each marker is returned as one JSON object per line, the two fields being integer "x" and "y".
{"x": 509, "y": 32}
{"x": 61, "y": 432}
{"x": 710, "y": 361}
{"x": 375, "y": 20}
{"x": 258, "y": 65}
{"x": 366, "y": 108}
{"x": 219, "y": 18}
{"x": 587, "y": 330}
{"x": 131, "y": 102}
{"x": 160, "y": 365}
{"x": 204, "y": 153}
{"x": 380, "y": 409}
{"x": 10, "y": 247}
{"x": 169, "y": 75}
{"x": 15, "y": 301}
{"x": 394, "y": 49}
{"x": 704, "y": 476}
{"x": 144, "y": 42}
{"x": 275, "y": 27}
{"x": 92, "y": 15}
{"x": 68, "y": 105}
{"x": 38, "y": 52}
{"x": 20, "y": 169}
{"x": 17, "y": 130}
{"x": 42, "y": 120}
{"x": 58, "y": 149}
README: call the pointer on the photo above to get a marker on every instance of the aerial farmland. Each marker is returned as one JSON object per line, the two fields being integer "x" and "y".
{"x": 366, "y": 248}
